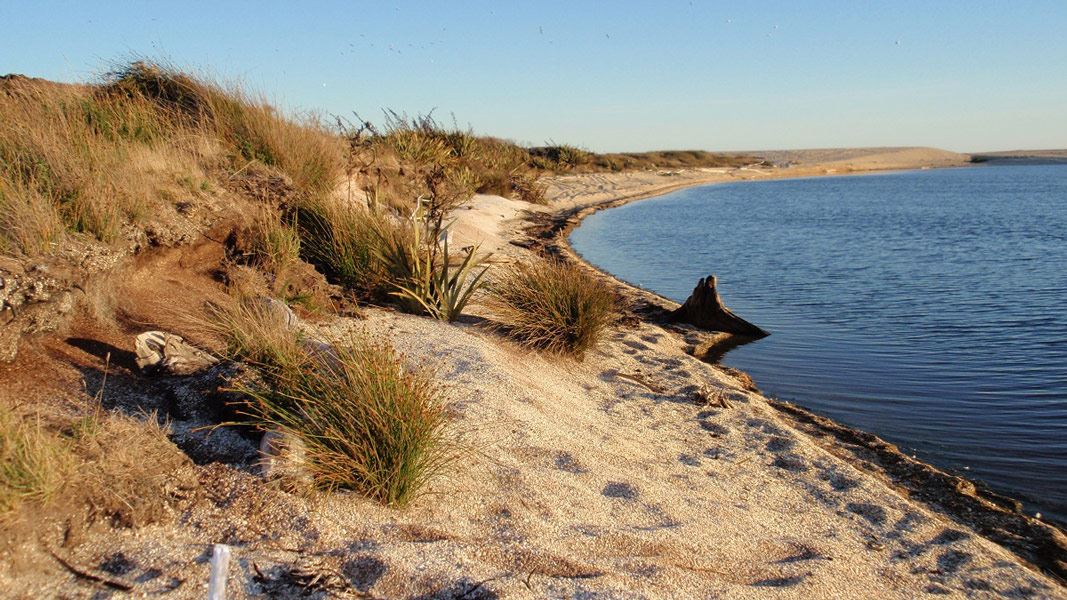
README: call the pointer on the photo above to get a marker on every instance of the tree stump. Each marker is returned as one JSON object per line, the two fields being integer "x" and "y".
{"x": 705, "y": 309}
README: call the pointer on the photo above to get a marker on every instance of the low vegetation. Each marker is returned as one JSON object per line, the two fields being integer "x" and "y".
{"x": 669, "y": 159}
{"x": 571, "y": 159}
{"x": 409, "y": 157}
{"x": 552, "y": 306}
{"x": 367, "y": 421}
{"x": 95, "y": 160}
{"x": 84, "y": 468}
{"x": 149, "y": 146}
{"x": 32, "y": 462}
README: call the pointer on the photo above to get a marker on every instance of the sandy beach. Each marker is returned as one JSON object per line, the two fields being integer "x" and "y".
{"x": 602, "y": 478}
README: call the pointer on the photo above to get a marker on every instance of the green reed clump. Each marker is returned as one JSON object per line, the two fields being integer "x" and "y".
{"x": 367, "y": 422}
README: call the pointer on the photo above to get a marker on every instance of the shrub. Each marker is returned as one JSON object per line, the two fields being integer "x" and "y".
{"x": 528, "y": 188}
{"x": 416, "y": 157}
{"x": 552, "y": 306}
{"x": 560, "y": 157}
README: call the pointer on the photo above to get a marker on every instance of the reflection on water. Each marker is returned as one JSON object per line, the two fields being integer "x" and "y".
{"x": 929, "y": 307}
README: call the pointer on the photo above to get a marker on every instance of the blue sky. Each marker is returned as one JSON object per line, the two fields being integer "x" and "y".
{"x": 607, "y": 75}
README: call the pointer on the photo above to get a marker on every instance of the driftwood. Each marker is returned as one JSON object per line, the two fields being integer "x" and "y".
{"x": 162, "y": 352}
{"x": 110, "y": 582}
{"x": 705, "y": 309}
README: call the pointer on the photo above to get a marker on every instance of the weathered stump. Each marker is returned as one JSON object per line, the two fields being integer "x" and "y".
{"x": 704, "y": 308}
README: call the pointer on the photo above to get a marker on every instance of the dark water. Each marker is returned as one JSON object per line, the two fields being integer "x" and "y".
{"x": 929, "y": 307}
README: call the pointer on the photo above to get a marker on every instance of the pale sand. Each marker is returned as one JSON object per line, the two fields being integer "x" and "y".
{"x": 587, "y": 483}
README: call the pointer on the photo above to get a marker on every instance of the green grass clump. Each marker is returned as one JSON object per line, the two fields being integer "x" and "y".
{"x": 275, "y": 244}
{"x": 249, "y": 330}
{"x": 367, "y": 422}
{"x": 345, "y": 242}
{"x": 552, "y": 306}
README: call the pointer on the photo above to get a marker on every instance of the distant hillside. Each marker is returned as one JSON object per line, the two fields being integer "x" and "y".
{"x": 1043, "y": 156}
{"x": 865, "y": 158}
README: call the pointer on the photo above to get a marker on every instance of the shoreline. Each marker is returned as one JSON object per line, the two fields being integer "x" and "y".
{"x": 997, "y": 517}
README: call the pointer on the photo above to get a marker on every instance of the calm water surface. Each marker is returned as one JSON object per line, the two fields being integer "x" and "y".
{"x": 929, "y": 307}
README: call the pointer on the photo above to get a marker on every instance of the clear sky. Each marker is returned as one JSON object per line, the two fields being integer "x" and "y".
{"x": 609, "y": 76}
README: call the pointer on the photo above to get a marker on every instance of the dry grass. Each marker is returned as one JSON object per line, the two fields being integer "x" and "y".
{"x": 251, "y": 129}
{"x": 552, "y": 306}
{"x": 78, "y": 159}
{"x": 249, "y": 330}
{"x": 98, "y": 159}
{"x": 32, "y": 461}
{"x": 101, "y": 466}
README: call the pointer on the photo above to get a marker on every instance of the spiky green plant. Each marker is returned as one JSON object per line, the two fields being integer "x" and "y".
{"x": 426, "y": 279}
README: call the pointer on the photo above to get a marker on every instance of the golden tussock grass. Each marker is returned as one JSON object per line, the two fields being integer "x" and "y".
{"x": 95, "y": 159}
{"x": 97, "y": 466}
{"x": 552, "y": 306}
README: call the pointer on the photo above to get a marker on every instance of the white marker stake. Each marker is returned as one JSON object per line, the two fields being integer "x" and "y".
{"x": 220, "y": 561}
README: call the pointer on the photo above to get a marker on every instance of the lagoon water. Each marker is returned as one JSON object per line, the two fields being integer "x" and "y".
{"x": 928, "y": 307}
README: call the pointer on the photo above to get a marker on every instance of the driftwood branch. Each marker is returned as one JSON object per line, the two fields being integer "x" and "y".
{"x": 704, "y": 308}
{"x": 117, "y": 584}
